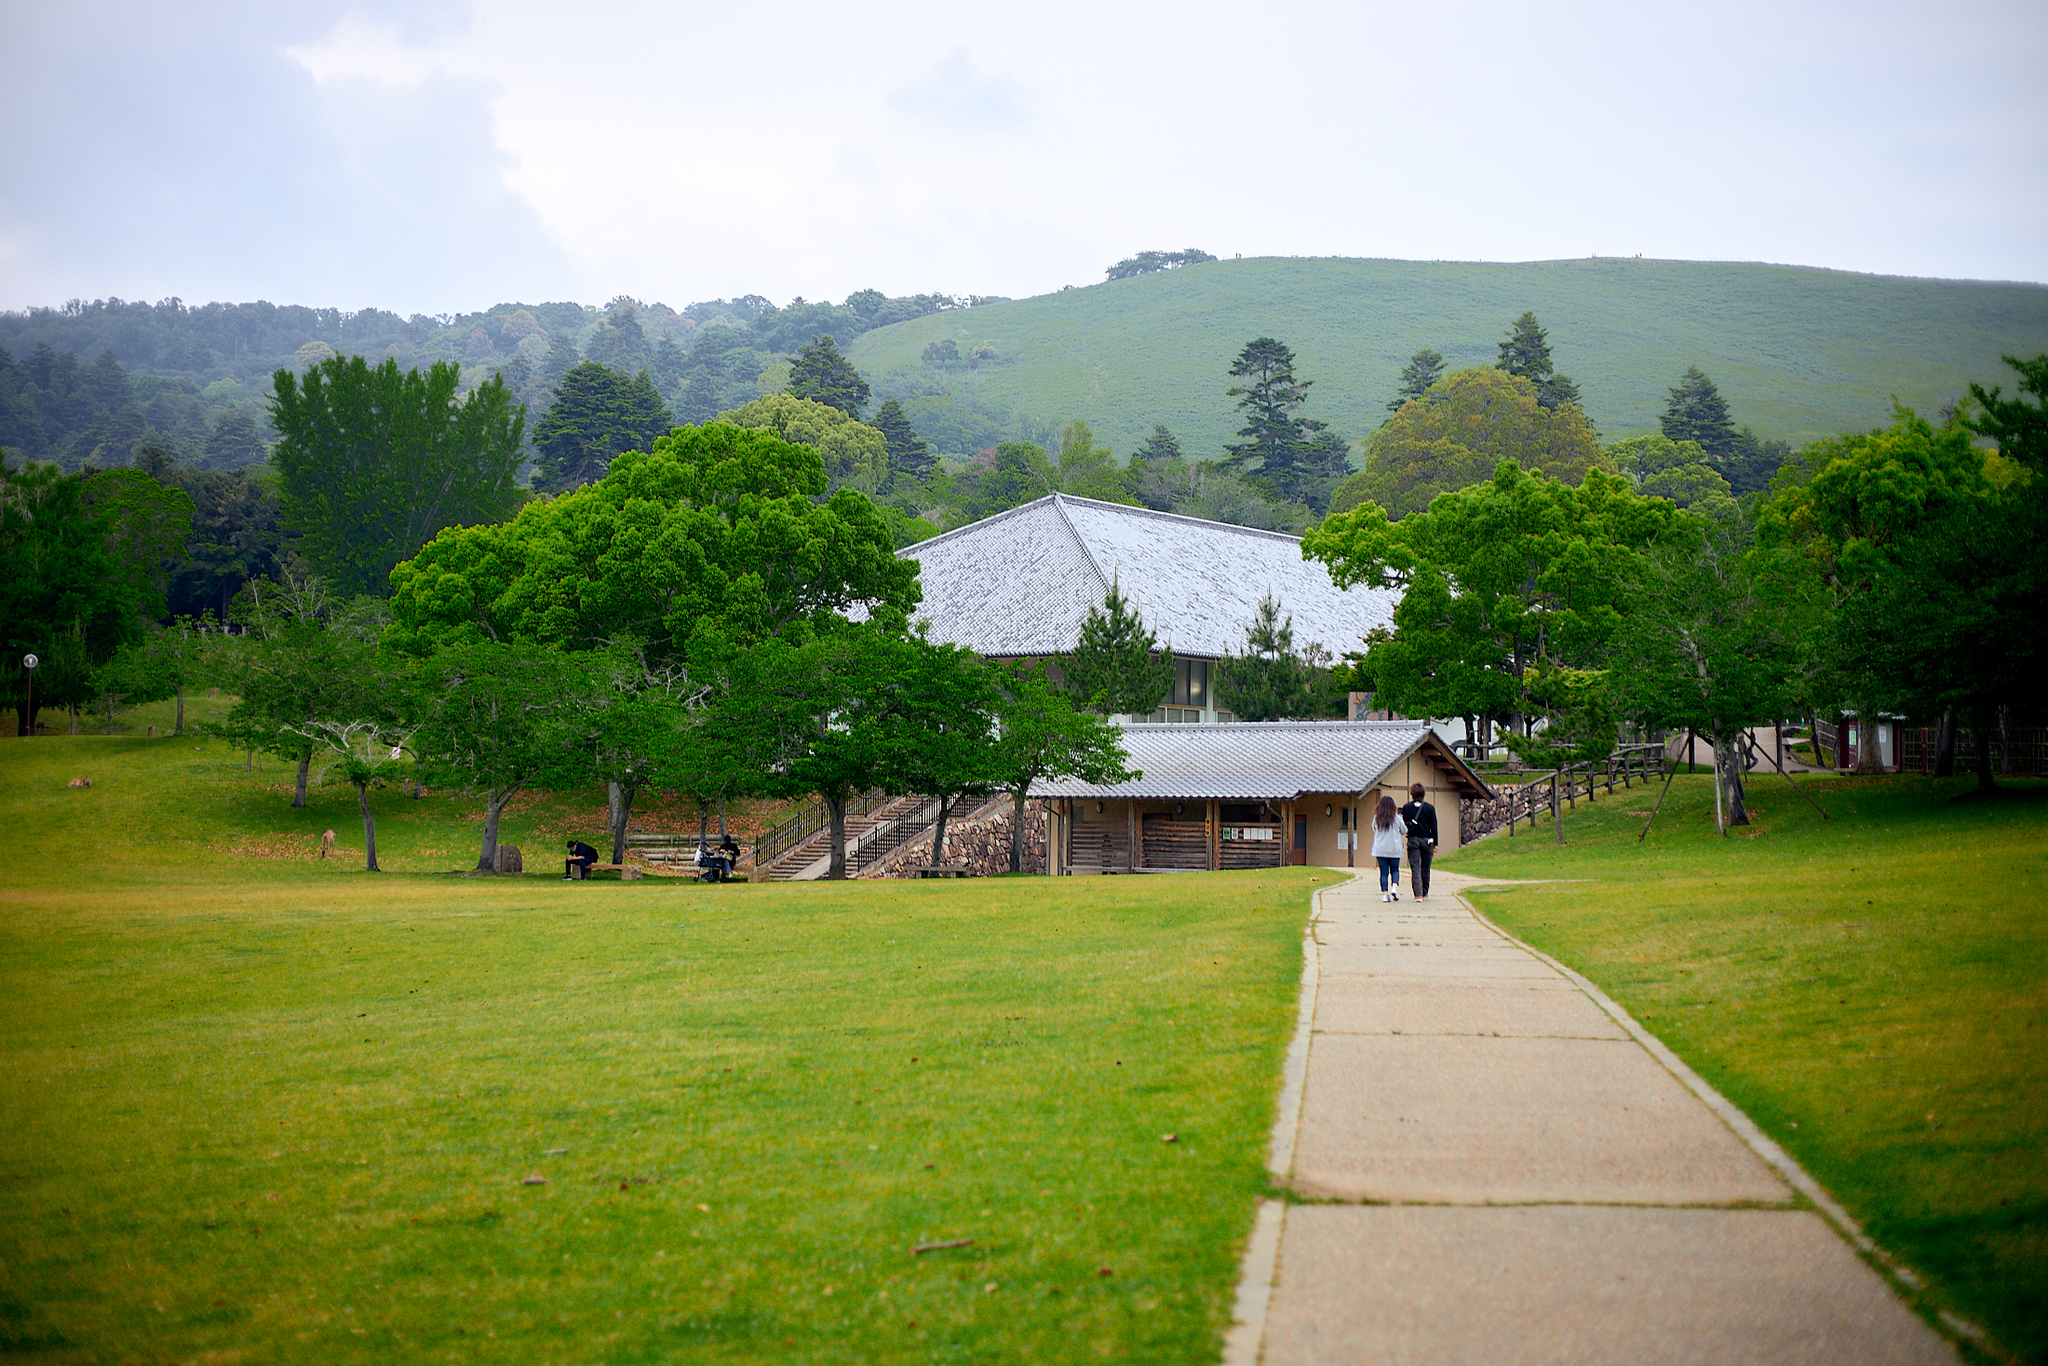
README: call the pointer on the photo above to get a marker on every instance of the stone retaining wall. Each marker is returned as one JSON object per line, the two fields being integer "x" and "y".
{"x": 984, "y": 846}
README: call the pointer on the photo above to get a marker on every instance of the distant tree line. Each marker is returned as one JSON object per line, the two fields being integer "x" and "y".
{"x": 1150, "y": 262}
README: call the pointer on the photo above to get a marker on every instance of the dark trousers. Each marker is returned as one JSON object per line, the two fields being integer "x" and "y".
{"x": 1419, "y": 854}
{"x": 577, "y": 868}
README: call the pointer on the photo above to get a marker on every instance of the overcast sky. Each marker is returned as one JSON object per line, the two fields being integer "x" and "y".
{"x": 445, "y": 157}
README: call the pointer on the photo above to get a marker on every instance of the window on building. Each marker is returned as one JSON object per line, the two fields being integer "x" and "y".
{"x": 1191, "y": 682}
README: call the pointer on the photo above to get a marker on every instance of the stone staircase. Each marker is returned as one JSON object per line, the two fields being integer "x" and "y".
{"x": 811, "y": 858}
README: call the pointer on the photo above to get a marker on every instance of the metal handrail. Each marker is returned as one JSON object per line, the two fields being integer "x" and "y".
{"x": 891, "y": 835}
{"x": 778, "y": 840}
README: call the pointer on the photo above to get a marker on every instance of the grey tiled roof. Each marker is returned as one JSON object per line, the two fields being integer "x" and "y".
{"x": 1022, "y": 581}
{"x": 1264, "y": 760}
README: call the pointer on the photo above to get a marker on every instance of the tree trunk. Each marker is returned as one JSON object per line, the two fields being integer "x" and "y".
{"x": 703, "y": 818}
{"x": 1728, "y": 758}
{"x": 722, "y": 836}
{"x": 1017, "y": 830}
{"x": 619, "y": 796}
{"x": 835, "y": 814}
{"x": 305, "y": 762}
{"x": 1981, "y": 733}
{"x": 1945, "y": 745}
{"x": 179, "y": 728}
{"x": 1869, "y": 755}
{"x": 369, "y": 830}
{"x": 939, "y": 831}
{"x": 1720, "y": 824}
{"x": 494, "y": 807}
{"x": 74, "y": 718}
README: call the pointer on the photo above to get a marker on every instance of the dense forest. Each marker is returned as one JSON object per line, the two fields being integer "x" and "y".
{"x": 94, "y": 382}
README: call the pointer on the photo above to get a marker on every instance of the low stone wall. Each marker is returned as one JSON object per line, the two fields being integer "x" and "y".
{"x": 984, "y": 845}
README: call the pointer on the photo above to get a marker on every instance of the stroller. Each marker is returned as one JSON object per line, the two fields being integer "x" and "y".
{"x": 716, "y": 865}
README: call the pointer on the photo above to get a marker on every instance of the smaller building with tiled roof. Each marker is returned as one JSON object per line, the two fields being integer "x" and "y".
{"x": 1252, "y": 795}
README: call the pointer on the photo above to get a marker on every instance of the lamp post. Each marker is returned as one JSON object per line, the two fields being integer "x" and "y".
{"x": 28, "y": 719}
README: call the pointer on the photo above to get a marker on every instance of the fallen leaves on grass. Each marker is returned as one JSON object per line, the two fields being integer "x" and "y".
{"x": 285, "y": 847}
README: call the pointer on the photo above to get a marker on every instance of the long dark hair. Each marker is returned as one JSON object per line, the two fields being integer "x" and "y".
{"x": 1384, "y": 817}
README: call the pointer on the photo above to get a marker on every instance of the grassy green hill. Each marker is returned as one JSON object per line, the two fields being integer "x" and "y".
{"x": 1797, "y": 352}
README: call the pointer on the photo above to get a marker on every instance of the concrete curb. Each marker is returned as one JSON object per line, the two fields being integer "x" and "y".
{"x": 1246, "y": 1339}
{"x": 1741, "y": 1124}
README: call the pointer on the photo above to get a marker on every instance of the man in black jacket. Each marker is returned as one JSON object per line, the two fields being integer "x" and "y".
{"x": 1420, "y": 818}
{"x": 579, "y": 853}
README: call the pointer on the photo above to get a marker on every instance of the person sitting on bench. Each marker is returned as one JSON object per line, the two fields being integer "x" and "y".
{"x": 731, "y": 851}
{"x": 579, "y": 853}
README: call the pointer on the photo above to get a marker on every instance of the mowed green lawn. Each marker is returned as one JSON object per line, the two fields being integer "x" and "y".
{"x": 1872, "y": 990}
{"x": 268, "y": 1109}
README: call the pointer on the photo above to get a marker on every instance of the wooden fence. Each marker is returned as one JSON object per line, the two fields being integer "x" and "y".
{"x": 1528, "y": 796}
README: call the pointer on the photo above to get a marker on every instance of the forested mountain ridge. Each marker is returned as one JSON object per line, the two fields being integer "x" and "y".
{"x": 1798, "y": 352}
{"x": 96, "y": 380}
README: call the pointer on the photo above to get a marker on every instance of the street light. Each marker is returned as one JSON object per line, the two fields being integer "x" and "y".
{"x": 28, "y": 725}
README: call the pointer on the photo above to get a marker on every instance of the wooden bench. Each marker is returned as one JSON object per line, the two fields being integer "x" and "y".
{"x": 939, "y": 870}
{"x": 628, "y": 872}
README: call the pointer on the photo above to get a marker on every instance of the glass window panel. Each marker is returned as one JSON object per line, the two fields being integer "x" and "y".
{"x": 1198, "y": 683}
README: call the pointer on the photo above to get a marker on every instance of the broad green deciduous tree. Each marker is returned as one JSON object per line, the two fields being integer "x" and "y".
{"x": 1521, "y": 570}
{"x": 854, "y": 453}
{"x": 715, "y": 534}
{"x": 1046, "y": 737}
{"x": 1709, "y": 641}
{"x": 57, "y": 579}
{"x": 489, "y": 719}
{"x": 374, "y": 462}
{"x": 1458, "y": 432}
{"x": 303, "y": 656}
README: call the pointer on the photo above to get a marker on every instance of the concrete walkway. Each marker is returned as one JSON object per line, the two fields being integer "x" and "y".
{"x": 1507, "y": 1169}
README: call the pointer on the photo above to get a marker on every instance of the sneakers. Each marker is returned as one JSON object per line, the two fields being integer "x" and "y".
{"x": 1385, "y": 897}
{"x": 1396, "y": 894}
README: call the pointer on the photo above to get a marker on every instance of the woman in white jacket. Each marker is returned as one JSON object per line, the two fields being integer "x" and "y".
{"x": 1389, "y": 840}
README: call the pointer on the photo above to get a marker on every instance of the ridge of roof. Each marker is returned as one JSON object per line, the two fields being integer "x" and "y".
{"x": 1058, "y": 502}
{"x": 1059, "y": 507}
{"x": 990, "y": 520}
{"x": 1128, "y": 510}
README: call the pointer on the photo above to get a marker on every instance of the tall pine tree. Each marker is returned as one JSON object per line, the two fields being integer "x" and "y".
{"x": 1697, "y": 412}
{"x": 1526, "y": 353}
{"x": 908, "y": 453}
{"x": 1117, "y": 666}
{"x": 1424, "y": 368}
{"x": 1274, "y": 433}
{"x": 818, "y": 372}
{"x": 597, "y": 414}
{"x": 1161, "y": 445}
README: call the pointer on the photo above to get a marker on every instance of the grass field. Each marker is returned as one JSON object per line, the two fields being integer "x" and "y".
{"x": 1872, "y": 990}
{"x": 263, "y": 1108}
{"x": 1797, "y": 352}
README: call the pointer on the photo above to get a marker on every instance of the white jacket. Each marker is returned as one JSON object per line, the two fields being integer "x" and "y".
{"x": 1391, "y": 842}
